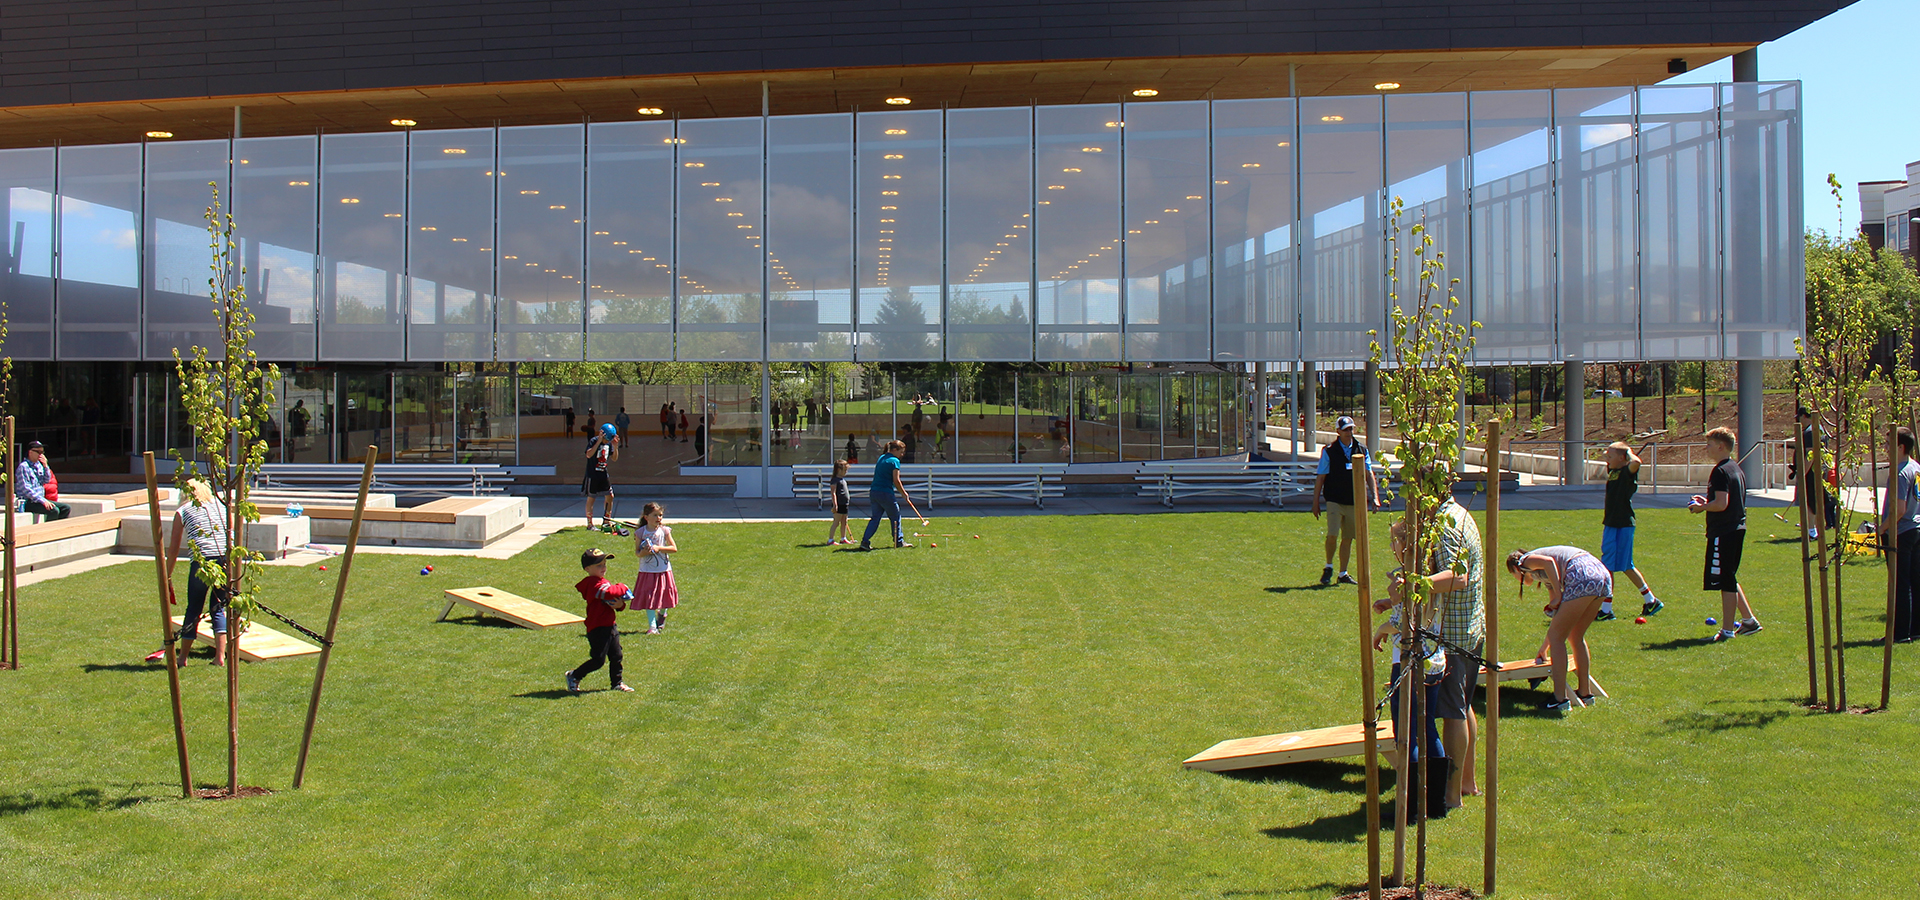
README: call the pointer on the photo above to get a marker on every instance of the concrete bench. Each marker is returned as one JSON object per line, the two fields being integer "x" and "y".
{"x": 1026, "y": 482}
{"x": 457, "y": 522}
{"x": 77, "y": 537}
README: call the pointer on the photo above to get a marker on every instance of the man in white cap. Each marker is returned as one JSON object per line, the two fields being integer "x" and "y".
{"x": 1333, "y": 485}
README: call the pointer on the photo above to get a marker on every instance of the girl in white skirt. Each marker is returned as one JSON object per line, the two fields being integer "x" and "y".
{"x": 653, "y": 588}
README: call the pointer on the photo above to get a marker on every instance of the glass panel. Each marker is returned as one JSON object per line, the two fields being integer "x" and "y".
{"x": 802, "y": 433}
{"x": 275, "y": 202}
{"x": 1077, "y": 191}
{"x": 179, "y": 311}
{"x": 1139, "y": 417}
{"x": 1096, "y": 421}
{"x": 1181, "y": 399}
{"x": 450, "y": 245}
{"x": 26, "y": 209}
{"x": 1764, "y": 305}
{"x": 99, "y": 263}
{"x": 810, "y": 220}
{"x": 369, "y": 420}
{"x": 307, "y": 403}
{"x": 1343, "y": 283}
{"x": 1599, "y": 312}
{"x": 363, "y": 239}
{"x": 989, "y": 238}
{"x": 901, "y": 197}
{"x": 423, "y": 418}
{"x": 1679, "y": 221}
{"x": 719, "y": 263}
{"x": 630, "y": 247}
{"x": 731, "y": 431}
{"x": 1513, "y": 265}
{"x": 542, "y": 251}
{"x": 1427, "y": 170}
{"x": 483, "y": 416}
{"x": 924, "y": 414}
{"x": 1044, "y": 420}
{"x": 1254, "y": 294}
{"x": 1168, "y": 302}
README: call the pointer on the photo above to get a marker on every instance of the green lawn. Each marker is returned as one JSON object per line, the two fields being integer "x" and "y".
{"x": 1001, "y": 717}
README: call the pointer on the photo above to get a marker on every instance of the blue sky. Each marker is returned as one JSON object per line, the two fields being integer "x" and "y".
{"x": 1861, "y": 120}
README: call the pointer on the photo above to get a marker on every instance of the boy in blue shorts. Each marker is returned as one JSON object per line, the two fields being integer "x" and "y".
{"x": 1616, "y": 527}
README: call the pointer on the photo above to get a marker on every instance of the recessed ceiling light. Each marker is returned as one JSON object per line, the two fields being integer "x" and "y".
{"x": 894, "y": 156}
{"x": 349, "y": 199}
{"x": 674, "y": 141}
{"x": 299, "y": 184}
{"x": 1283, "y": 144}
{"x": 1090, "y": 150}
{"x": 160, "y": 134}
{"x": 403, "y": 123}
{"x": 650, "y": 110}
{"x": 1146, "y": 92}
{"x": 1333, "y": 118}
{"x": 1387, "y": 86}
{"x": 898, "y": 101}
{"x": 456, "y": 151}
{"x": 895, "y": 131}
{"x": 695, "y": 165}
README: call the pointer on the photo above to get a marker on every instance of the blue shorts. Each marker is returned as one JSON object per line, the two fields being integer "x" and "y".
{"x": 1616, "y": 548}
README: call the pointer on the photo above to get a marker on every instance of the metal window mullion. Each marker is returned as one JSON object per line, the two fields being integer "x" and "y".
{"x": 140, "y": 264}
{"x": 1212, "y": 258}
{"x": 1554, "y": 223}
{"x": 1033, "y": 255}
{"x": 1639, "y": 233}
{"x": 1120, "y": 212}
{"x": 946, "y": 286}
{"x": 58, "y": 264}
{"x": 586, "y": 233}
{"x": 853, "y": 285}
{"x": 406, "y": 251}
{"x": 1466, "y": 225}
{"x": 673, "y": 243}
{"x": 1294, "y": 233}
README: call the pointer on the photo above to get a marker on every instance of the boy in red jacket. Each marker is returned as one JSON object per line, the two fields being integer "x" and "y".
{"x": 604, "y": 599}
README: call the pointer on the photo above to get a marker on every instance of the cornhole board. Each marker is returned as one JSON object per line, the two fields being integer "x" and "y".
{"x": 1529, "y": 669}
{"x": 260, "y": 643}
{"x": 1292, "y": 747}
{"x": 492, "y": 601}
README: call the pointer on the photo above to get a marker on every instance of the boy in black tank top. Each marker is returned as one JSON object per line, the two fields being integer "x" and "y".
{"x": 1725, "y": 505}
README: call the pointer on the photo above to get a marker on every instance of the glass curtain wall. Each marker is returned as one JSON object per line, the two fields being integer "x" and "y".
{"x": 1255, "y": 299}
{"x": 99, "y": 252}
{"x": 542, "y": 242}
{"x": 809, "y": 237}
{"x": 27, "y": 193}
{"x": 630, "y": 216}
{"x": 902, "y": 195}
{"x": 306, "y": 403}
{"x": 1077, "y": 195}
{"x": 450, "y": 214}
{"x": 1343, "y": 236}
{"x": 1168, "y": 185}
{"x": 989, "y": 236}
{"x": 1599, "y": 296}
{"x": 423, "y": 417}
{"x": 1427, "y": 173}
{"x": 363, "y": 240}
{"x": 718, "y": 245}
{"x": 275, "y": 204}
{"x": 1679, "y": 168}
{"x": 1513, "y": 290}
{"x": 1761, "y": 206}
{"x": 181, "y": 179}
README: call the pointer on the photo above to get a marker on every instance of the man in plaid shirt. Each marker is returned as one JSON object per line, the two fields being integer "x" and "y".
{"x": 1458, "y": 590}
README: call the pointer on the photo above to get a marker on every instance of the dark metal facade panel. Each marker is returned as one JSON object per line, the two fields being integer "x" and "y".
{"x": 70, "y": 51}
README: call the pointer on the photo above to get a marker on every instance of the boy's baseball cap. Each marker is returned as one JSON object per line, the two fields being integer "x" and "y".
{"x": 594, "y": 557}
{"x": 1343, "y": 423}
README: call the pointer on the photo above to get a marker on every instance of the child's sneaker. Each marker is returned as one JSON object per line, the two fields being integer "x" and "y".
{"x": 1326, "y": 576}
{"x": 1558, "y": 708}
{"x": 573, "y": 682}
{"x": 1589, "y": 700}
{"x": 1747, "y": 628}
{"x": 1652, "y": 606}
{"x": 622, "y": 687}
{"x": 1346, "y": 579}
{"x": 1721, "y": 637}
{"x": 1604, "y": 616}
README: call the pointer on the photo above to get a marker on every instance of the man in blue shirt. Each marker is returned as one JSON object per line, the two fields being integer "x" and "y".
{"x": 1903, "y": 521}
{"x": 1333, "y": 484}
{"x": 882, "y": 494}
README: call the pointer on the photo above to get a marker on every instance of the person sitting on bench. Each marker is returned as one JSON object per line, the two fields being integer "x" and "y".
{"x": 34, "y": 485}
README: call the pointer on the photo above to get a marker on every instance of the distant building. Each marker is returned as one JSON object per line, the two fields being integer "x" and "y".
{"x": 1890, "y": 212}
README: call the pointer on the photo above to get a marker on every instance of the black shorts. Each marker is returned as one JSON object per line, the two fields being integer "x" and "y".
{"x": 596, "y": 483}
{"x": 1460, "y": 679}
{"x": 1722, "y": 570}
{"x": 840, "y": 506}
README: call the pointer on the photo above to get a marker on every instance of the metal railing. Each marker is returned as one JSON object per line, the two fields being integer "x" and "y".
{"x": 1666, "y": 466}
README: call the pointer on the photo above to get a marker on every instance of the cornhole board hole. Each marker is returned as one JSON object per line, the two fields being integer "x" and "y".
{"x": 260, "y": 643}
{"x": 1529, "y": 669}
{"x": 1292, "y": 747}
{"x": 492, "y": 601}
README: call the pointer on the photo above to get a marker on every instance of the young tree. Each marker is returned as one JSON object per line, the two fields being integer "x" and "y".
{"x": 1423, "y": 369}
{"x": 227, "y": 401}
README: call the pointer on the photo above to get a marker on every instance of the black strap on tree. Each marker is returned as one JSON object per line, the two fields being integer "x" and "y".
{"x": 295, "y": 625}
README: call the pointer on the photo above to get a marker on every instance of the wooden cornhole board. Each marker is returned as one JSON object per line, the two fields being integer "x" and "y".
{"x": 260, "y": 643}
{"x": 1529, "y": 669}
{"x": 493, "y": 601}
{"x": 1292, "y": 747}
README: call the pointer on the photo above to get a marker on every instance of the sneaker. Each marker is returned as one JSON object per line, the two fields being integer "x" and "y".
{"x": 157, "y": 655}
{"x": 1347, "y": 579}
{"x": 1721, "y": 637}
{"x": 902, "y": 545}
{"x": 653, "y": 631}
{"x": 622, "y": 687}
{"x": 1747, "y": 628}
{"x": 573, "y": 682}
{"x": 1813, "y": 534}
{"x": 1589, "y": 700}
{"x": 1604, "y": 616}
{"x": 1651, "y": 606}
{"x": 1326, "y": 576}
{"x": 1558, "y": 708}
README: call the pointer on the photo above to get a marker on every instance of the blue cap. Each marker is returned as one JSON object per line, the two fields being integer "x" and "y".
{"x": 608, "y": 429}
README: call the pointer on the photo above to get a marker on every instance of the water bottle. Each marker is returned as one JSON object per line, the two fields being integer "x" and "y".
{"x": 294, "y": 510}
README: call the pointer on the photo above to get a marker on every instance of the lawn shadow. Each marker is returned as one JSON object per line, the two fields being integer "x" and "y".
{"x": 1343, "y": 828}
{"x": 480, "y": 622}
{"x": 1681, "y": 643}
{"x": 1706, "y": 722}
{"x": 91, "y": 668}
{"x": 1319, "y": 775}
{"x": 88, "y": 798}
{"x": 550, "y": 694}
{"x": 1286, "y": 589}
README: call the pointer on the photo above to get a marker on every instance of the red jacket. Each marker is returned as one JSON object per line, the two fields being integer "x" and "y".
{"x": 600, "y": 595}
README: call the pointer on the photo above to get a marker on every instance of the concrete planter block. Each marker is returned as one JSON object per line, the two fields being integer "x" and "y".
{"x": 273, "y": 536}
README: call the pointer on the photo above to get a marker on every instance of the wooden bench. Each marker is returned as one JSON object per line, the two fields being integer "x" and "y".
{"x": 260, "y": 643}
{"x": 1028, "y": 482}
{"x": 394, "y": 478}
{"x": 492, "y": 601}
{"x": 1292, "y": 747}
